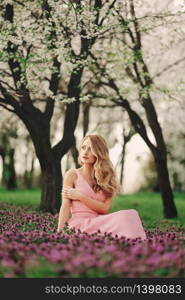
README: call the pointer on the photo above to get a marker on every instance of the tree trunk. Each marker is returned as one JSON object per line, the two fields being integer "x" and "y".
{"x": 126, "y": 138}
{"x": 160, "y": 157}
{"x": 51, "y": 186}
{"x": 86, "y": 113}
{"x": 11, "y": 181}
{"x": 8, "y": 174}
{"x": 75, "y": 154}
{"x": 28, "y": 176}
{"x": 143, "y": 77}
{"x": 122, "y": 162}
{"x": 159, "y": 152}
{"x": 169, "y": 209}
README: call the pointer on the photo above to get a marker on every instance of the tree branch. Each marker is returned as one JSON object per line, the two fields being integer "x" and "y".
{"x": 53, "y": 86}
{"x": 107, "y": 13}
{"x": 14, "y": 65}
{"x": 136, "y": 24}
{"x": 4, "y": 106}
{"x": 134, "y": 117}
{"x": 7, "y": 84}
{"x": 169, "y": 67}
{"x": 8, "y": 98}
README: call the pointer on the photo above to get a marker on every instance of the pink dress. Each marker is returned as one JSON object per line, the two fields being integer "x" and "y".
{"x": 123, "y": 223}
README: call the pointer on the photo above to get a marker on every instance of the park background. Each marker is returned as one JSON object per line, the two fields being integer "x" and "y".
{"x": 71, "y": 68}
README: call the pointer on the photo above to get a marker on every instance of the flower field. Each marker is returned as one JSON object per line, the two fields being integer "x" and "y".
{"x": 30, "y": 247}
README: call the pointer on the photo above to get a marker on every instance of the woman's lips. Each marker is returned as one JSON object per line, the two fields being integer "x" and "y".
{"x": 85, "y": 157}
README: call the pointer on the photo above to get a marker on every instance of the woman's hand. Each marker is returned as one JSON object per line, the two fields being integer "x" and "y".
{"x": 71, "y": 193}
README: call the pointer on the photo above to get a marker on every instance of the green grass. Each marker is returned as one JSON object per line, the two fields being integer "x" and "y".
{"x": 149, "y": 205}
{"x": 21, "y": 197}
{"x": 150, "y": 208}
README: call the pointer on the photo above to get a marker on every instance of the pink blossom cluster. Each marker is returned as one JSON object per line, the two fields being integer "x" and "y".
{"x": 30, "y": 247}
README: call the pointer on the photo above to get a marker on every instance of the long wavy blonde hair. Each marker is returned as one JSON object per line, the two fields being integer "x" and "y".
{"x": 104, "y": 174}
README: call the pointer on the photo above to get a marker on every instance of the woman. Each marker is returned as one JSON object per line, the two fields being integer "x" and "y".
{"x": 88, "y": 192}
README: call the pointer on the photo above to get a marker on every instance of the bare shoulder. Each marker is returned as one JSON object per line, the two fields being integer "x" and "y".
{"x": 71, "y": 173}
{"x": 70, "y": 176}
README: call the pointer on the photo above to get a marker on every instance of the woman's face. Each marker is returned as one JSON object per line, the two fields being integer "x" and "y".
{"x": 86, "y": 155}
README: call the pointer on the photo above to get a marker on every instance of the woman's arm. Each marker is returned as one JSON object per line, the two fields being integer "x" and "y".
{"x": 100, "y": 207}
{"x": 64, "y": 213}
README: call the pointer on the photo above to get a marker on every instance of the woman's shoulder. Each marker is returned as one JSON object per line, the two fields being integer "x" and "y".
{"x": 70, "y": 177}
{"x": 71, "y": 172}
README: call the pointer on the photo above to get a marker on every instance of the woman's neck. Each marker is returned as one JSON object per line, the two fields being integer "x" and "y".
{"x": 87, "y": 170}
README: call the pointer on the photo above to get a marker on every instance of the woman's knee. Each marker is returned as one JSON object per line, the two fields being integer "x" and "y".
{"x": 133, "y": 212}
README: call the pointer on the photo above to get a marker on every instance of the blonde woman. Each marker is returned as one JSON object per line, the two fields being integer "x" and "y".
{"x": 88, "y": 191}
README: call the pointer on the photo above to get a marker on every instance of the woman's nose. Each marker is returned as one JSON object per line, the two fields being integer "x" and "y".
{"x": 86, "y": 151}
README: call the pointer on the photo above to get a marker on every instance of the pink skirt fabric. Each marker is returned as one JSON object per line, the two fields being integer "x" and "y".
{"x": 125, "y": 223}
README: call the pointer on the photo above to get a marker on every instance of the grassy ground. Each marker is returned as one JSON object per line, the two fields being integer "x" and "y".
{"x": 20, "y": 197}
{"x": 149, "y": 205}
{"x": 150, "y": 208}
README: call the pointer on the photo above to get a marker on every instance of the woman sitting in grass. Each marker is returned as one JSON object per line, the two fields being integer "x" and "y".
{"x": 88, "y": 192}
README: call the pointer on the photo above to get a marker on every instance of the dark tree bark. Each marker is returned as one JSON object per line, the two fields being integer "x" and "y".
{"x": 86, "y": 113}
{"x": 28, "y": 174}
{"x": 7, "y": 153}
{"x": 122, "y": 163}
{"x": 28, "y": 177}
{"x": 126, "y": 139}
{"x": 9, "y": 174}
{"x": 11, "y": 181}
{"x": 75, "y": 154}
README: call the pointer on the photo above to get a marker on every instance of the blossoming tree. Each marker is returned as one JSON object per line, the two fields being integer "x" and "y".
{"x": 44, "y": 43}
{"x": 124, "y": 77}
